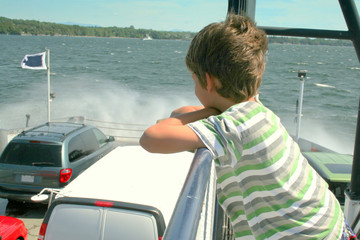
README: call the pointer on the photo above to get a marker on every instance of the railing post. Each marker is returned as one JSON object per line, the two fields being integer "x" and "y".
{"x": 185, "y": 218}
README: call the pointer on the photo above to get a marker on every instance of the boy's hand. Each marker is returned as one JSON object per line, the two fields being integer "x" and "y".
{"x": 182, "y": 110}
{"x": 190, "y": 114}
{"x": 185, "y": 109}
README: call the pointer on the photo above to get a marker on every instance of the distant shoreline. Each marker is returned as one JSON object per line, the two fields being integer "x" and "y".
{"x": 37, "y": 28}
{"x": 43, "y": 35}
{"x": 272, "y": 39}
{"x": 31, "y": 27}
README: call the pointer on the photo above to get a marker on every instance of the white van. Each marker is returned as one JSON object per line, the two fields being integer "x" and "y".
{"x": 128, "y": 194}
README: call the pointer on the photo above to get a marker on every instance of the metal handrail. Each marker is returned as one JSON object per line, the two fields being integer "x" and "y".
{"x": 186, "y": 216}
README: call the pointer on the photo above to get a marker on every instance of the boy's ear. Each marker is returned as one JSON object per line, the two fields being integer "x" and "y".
{"x": 211, "y": 82}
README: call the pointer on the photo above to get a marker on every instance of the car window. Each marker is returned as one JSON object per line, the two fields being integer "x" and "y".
{"x": 32, "y": 154}
{"x": 129, "y": 225}
{"x": 72, "y": 221}
{"x": 101, "y": 138}
{"x": 82, "y": 145}
{"x": 76, "y": 148}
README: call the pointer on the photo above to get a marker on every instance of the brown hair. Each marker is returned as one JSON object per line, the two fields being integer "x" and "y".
{"x": 232, "y": 51}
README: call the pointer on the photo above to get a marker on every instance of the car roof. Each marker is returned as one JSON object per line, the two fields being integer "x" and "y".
{"x": 51, "y": 131}
{"x": 131, "y": 174}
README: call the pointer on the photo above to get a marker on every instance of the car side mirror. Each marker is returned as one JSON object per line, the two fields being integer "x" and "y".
{"x": 111, "y": 139}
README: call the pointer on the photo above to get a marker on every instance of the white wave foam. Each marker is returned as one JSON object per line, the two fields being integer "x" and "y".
{"x": 324, "y": 85}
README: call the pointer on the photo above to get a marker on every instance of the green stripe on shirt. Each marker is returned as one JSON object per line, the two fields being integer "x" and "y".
{"x": 247, "y": 117}
{"x": 273, "y": 186}
{"x": 254, "y": 188}
{"x": 301, "y": 194}
{"x": 299, "y": 222}
{"x": 256, "y": 166}
{"x": 264, "y": 136}
{"x": 259, "y": 166}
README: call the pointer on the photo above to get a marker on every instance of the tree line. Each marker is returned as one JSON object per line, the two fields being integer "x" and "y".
{"x": 32, "y": 27}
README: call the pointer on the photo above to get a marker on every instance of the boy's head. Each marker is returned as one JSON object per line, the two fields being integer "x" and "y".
{"x": 233, "y": 51}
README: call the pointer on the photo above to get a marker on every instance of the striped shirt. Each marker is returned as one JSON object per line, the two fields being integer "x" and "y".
{"x": 264, "y": 184}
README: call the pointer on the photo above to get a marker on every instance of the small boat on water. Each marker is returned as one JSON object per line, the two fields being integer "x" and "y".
{"x": 147, "y": 37}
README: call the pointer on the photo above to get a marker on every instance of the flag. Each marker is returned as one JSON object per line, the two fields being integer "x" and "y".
{"x": 34, "y": 61}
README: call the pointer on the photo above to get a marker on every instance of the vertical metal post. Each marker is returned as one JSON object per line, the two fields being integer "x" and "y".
{"x": 302, "y": 76}
{"x": 27, "y": 120}
{"x": 48, "y": 83}
{"x": 352, "y": 194}
{"x": 242, "y": 7}
{"x": 355, "y": 177}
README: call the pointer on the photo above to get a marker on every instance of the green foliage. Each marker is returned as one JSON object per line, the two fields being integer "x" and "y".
{"x": 31, "y": 27}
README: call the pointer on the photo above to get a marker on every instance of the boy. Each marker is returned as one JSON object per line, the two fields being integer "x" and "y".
{"x": 264, "y": 184}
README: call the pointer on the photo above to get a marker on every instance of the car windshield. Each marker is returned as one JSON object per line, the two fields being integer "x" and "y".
{"x": 32, "y": 154}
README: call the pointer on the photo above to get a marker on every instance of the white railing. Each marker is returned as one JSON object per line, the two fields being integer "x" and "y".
{"x": 184, "y": 223}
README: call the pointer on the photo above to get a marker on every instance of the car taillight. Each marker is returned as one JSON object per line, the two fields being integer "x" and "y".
{"x": 42, "y": 231}
{"x": 160, "y": 238}
{"x": 65, "y": 175}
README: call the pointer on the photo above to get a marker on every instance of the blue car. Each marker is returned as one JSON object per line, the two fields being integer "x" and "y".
{"x": 49, "y": 156}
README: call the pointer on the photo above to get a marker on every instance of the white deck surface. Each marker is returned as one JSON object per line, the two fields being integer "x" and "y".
{"x": 131, "y": 174}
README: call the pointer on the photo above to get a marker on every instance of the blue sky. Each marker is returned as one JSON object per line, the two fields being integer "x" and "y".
{"x": 188, "y": 15}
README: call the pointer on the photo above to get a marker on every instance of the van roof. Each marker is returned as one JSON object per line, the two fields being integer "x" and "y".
{"x": 131, "y": 174}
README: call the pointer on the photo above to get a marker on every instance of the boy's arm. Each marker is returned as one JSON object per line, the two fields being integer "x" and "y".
{"x": 172, "y": 135}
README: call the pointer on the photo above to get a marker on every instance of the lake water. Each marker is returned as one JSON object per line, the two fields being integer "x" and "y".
{"x": 138, "y": 82}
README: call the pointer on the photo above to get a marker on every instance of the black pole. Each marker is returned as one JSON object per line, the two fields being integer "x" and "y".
{"x": 355, "y": 176}
{"x": 351, "y": 17}
{"x": 233, "y": 6}
{"x": 306, "y": 32}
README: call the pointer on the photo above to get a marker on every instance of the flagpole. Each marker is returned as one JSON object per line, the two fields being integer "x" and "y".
{"x": 48, "y": 82}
